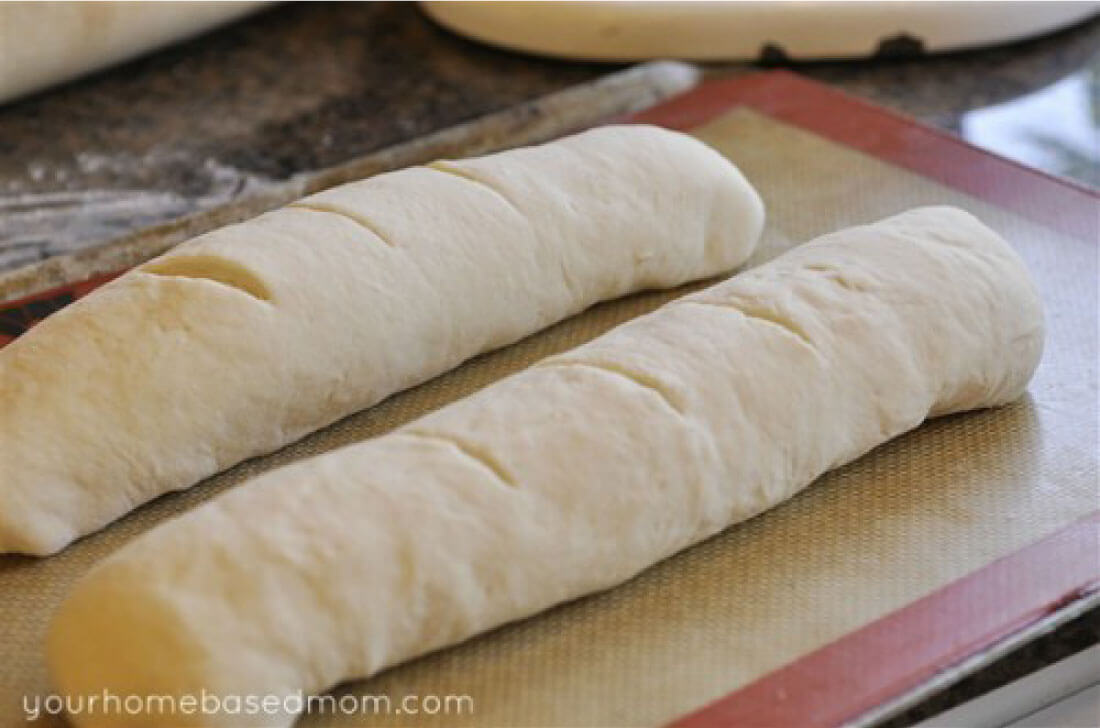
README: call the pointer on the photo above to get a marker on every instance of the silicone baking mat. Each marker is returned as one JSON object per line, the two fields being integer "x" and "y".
{"x": 923, "y": 553}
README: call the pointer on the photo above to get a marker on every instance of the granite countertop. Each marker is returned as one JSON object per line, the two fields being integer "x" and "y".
{"x": 301, "y": 87}
{"x": 292, "y": 88}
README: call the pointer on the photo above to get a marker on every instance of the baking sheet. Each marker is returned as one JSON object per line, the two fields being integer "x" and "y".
{"x": 534, "y": 121}
{"x": 862, "y": 542}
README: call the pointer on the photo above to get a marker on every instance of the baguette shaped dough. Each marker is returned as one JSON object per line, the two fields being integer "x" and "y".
{"x": 249, "y": 337}
{"x": 564, "y": 479}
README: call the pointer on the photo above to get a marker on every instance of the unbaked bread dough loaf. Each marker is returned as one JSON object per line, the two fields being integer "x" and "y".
{"x": 247, "y": 338}
{"x": 567, "y": 478}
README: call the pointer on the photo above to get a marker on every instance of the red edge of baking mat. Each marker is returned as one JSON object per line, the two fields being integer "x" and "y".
{"x": 902, "y": 650}
{"x": 884, "y": 659}
{"x": 1059, "y": 204}
{"x": 19, "y": 315}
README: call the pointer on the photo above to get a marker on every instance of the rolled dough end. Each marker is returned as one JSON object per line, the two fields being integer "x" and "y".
{"x": 124, "y": 637}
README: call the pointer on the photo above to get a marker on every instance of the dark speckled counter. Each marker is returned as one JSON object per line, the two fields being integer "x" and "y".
{"x": 301, "y": 87}
{"x": 293, "y": 88}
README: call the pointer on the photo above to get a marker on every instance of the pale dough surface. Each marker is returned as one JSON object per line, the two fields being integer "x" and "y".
{"x": 249, "y": 337}
{"x": 614, "y": 30}
{"x": 45, "y": 43}
{"x": 566, "y": 478}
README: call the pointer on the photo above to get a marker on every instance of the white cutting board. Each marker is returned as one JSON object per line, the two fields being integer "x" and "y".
{"x": 625, "y": 31}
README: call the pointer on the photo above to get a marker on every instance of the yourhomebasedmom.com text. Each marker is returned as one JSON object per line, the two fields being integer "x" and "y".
{"x": 107, "y": 703}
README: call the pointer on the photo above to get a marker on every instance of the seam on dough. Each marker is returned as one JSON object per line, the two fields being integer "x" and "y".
{"x": 334, "y": 210}
{"x": 211, "y": 268}
{"x": 470, "y": 450}
{"x": 642, "y": 380}
{"x": 837, "y": 277}
{"x": 759, "y": 314}
{"x": 444, "y": 168}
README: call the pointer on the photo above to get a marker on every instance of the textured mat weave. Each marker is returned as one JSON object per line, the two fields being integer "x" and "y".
{"x": 865, "y": 540}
